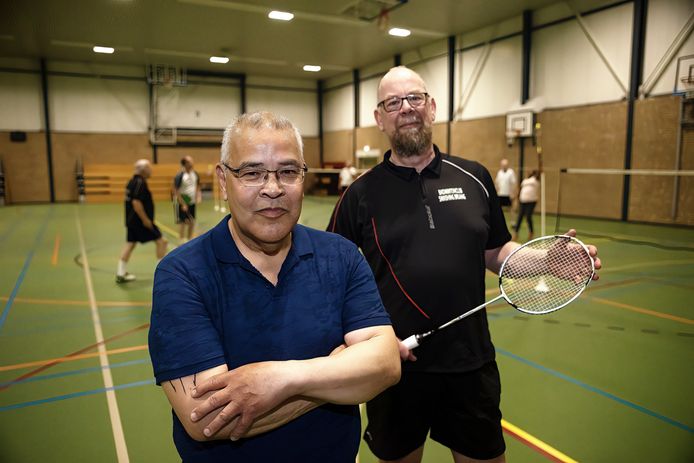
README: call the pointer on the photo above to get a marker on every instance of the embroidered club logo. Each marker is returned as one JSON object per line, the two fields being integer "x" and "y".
{"x": 451, "y": 194}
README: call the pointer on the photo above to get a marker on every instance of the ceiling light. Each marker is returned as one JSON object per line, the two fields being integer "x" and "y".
{"x": 98, "y": 49}
{"x": 281, "y": 15}
{"x": 398, "y": 32}
{"x": 219, "y": 59}
{"x": 311, "y": 68}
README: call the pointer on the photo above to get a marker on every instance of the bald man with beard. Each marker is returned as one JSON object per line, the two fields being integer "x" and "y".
{"x": 430, "y": 225}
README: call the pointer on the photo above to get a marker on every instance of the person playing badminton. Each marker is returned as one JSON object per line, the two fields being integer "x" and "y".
{"x": 187, "y": 194}
{"x": 265, "y": 334}
{"x": 430, "y": 224}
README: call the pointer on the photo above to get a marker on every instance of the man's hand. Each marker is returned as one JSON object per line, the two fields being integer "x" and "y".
{"x": 244, "y": 394}
{"x": 592, "y": 251}
{"x": 405, "y": 353}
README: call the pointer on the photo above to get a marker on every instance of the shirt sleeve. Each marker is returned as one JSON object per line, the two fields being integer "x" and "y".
{"x": 182, "y": 336}
{"x": 363, "y": 306}
{"x": 138, "y": 189}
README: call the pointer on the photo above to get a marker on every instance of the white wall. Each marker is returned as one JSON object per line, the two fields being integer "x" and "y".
{"x": 21, "y": 105}
{"x": 368, "y": 99}
{"x": 197, "y": 105}
{"x": 665, "y": 20}
{"x": 300, "y": 107}
{"x": 87, "y": 104}
{"x": 338, "y": 109}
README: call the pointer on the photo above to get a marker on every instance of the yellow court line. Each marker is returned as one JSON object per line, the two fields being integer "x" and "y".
{"x": 537, "y": 442}
{"x": 70, "y": 358}
{"x": 56, "y": 248}
{"x": 166, "y": 229}
{"x": 634, "y": 308}
{"x": 28, "y": 300}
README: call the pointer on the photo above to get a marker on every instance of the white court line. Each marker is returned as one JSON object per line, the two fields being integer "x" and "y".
{"x": 116, "y": 426}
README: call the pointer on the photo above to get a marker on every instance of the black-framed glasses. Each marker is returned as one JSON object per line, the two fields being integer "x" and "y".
{"x": 394, "y": 103}
{"x": 257, "y": 176}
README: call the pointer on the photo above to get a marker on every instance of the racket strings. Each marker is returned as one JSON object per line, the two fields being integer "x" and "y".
{"x": 546, "y": 274}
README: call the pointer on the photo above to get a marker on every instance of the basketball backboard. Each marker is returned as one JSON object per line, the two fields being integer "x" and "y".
{"x": 684, "y": 81}
{"x": 520, "y": 123}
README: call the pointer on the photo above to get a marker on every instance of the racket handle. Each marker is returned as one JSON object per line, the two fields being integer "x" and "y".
{"x": 411, "y": 342}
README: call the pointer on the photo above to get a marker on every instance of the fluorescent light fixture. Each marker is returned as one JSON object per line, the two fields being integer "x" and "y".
{"x": 98, "y": 49}
{"x": 280, "y": 15}
{"x": 398, "y": 32}
{"x": 311, "y": 68}
{"x": 219, "y": 59}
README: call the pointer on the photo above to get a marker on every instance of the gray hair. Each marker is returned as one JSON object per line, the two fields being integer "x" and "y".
{"x": 258, "y": 121}
{"x": 140, "y": 165}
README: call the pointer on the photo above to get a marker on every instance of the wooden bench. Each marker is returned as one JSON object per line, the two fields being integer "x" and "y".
{"x": 105, "y": 183}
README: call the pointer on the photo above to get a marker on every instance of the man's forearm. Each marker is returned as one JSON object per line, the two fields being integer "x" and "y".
{"x": 352, "y": 376}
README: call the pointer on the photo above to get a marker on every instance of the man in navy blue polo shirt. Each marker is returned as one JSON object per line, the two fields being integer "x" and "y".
{"x": 429, "y": 225}
{"x": 266, "y": 334}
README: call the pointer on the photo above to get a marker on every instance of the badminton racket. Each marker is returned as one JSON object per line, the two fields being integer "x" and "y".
{"x": 539, "y": 277}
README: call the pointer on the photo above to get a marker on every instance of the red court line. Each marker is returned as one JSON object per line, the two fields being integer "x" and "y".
{"x": 56, "y": 248}
{"x": 73, "y": 354}
{"x": 536, "y": 444}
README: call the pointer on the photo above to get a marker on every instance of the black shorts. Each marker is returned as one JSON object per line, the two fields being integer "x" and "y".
{"x": 505, "y": 200}
{"x": 460, "y": 409}
{"x": 186, "y": 216}
{"x": 140, "y": 234}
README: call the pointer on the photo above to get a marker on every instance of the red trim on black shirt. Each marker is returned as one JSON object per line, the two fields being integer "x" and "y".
{"x": 392, "y": 272}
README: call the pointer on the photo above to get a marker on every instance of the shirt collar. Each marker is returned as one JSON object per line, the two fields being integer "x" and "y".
{"x": 433, "y": 169}
{"x": 225, "y": 248}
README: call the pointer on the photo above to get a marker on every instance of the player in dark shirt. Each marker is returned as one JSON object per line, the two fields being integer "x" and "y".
{"x": 139, "y": 219}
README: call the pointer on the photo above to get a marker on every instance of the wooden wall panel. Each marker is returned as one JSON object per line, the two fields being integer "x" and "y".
{"x": 484, "y": 141}
{"x": 655, "y": 147}
{"x": 337, "y": 146}
{"x": 584, "y": 137}
{"x": 26, "y": 168}
{"x": 312, "y": 151}
{"x": 92, "y": 148}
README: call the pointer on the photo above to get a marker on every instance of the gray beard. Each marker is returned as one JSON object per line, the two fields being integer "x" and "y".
{"x": 412, "y": 143}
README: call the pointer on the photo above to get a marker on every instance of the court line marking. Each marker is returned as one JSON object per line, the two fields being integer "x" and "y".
{"x": 56, "y": 250}
{"x": 116, "y": 425}
{"x": 535, "y": 443}
{"x": 57, "y": 360}
{"x": 596, "y": 390}
{"x": 73, "y": 395}
{"x": 45, "y": 364}
{"x": 25, "y": 268}
{"x": 80, "y": 371}
{"x": 634, "y": 308}
{"x": 28, "y": 300}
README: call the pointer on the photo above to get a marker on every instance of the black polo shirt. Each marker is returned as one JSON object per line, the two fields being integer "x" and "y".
{"x": 137, "y": 189}
{"x": 424, "y": 236}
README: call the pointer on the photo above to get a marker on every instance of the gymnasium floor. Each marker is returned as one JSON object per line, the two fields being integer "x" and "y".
{"x": 608, "y": 379}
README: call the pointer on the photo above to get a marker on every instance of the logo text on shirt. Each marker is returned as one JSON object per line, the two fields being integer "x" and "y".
{"x": 451, "y": 194}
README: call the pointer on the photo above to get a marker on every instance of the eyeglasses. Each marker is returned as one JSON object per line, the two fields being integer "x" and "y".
{"x": 394, "y": 103}
{"x": 257, "y": 176}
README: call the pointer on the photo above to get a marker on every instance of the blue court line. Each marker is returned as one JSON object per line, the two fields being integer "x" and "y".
{"x": 32, "y": 403}
{"x": 598, "y": 391}
{"x": 80, "y": 371}
{"x": 22, "y": 274}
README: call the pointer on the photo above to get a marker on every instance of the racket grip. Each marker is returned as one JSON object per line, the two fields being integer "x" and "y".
{"x": 411, "y": 342}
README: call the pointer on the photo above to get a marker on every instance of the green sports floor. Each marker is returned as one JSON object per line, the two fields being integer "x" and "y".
{"x": 608, "y": 379}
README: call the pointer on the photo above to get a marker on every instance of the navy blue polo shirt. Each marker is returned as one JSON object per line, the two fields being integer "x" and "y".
{"x": 212, "y": 307}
